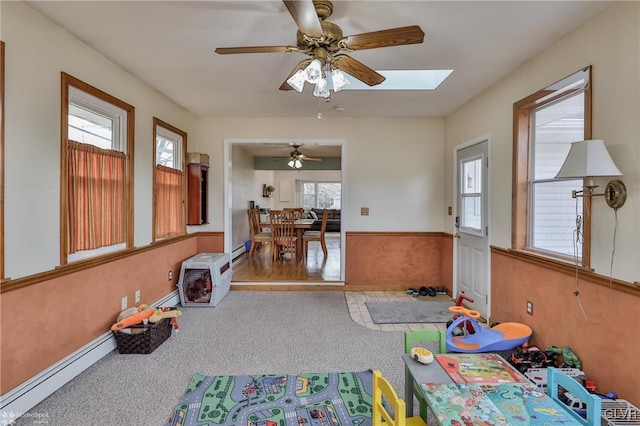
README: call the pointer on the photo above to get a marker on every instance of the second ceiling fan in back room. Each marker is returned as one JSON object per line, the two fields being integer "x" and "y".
{"x": 297, "y": 159}
{"x": 324, "y": 43}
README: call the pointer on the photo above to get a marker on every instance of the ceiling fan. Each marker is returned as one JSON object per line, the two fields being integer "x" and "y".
{"x": 297, "y": 159}
{"x": 323, "y": 40}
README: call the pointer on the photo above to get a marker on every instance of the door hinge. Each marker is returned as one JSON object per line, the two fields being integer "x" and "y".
{"x": 487, "y": 162}
{"x": 486, "y": 231}
{"x": 486, "y": 299}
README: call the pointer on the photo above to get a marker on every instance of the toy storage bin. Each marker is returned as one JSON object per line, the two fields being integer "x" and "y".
{"x": 142, "y": 338}
{"x": 205, "y": 279}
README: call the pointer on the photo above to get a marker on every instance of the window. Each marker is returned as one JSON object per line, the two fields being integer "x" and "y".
{"x": 169, "y": 182}
{"x": 321, "y": 195}
{"x": 471, "y": 195}
{"x": 96, "y": 163}
{"x": 545, "y": 214}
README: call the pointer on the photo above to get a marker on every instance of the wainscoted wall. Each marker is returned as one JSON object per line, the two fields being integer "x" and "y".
{"x": 447, "y": 262}
{"x": 394, "y": 260}
{"x": 45, "y": 321}
{"x": 607, "y": 343}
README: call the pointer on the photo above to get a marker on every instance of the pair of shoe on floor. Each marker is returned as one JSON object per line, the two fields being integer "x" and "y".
{"x": 426, "y": 291}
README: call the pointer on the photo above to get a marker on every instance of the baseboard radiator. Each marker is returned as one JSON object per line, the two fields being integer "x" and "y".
{"x": 23, "y": 398}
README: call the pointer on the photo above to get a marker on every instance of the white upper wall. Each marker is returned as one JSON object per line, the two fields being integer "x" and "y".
{"x": 611, "y": 44}
{"x": 37, "y": 51}
{"x": 393, "y": 166}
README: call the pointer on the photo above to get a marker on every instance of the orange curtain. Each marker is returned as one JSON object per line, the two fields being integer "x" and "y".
{"x": 96, "y": 197}
{"x": 169, "y": 202}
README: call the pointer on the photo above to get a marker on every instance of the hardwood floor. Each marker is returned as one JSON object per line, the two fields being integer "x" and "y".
{"x": 314, "y": 267}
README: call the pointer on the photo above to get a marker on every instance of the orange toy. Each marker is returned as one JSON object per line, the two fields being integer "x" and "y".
{"x": 133, "y": 319}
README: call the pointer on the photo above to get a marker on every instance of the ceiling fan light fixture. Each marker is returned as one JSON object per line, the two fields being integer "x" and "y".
{"x": 314, "y": 71}
{"x": 339, "y": 80}
{"x": 295, "y": 163}
{"x": 322, "y": 89}
{"x": 297, "y": 80}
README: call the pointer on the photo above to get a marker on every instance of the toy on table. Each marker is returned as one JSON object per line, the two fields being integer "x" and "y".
{"x": 502, "y": 337}
{"x": 422, "y": 355}
{"x": 568, "y": 356}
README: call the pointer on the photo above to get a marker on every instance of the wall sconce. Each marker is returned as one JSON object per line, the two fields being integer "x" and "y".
{"x": 590, "y": 158}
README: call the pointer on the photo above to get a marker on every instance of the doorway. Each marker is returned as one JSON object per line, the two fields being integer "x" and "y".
{"x": 235, "y": 207}
{"x": 471, "y": 242}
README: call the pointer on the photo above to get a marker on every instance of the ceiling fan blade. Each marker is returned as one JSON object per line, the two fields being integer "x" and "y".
{"x": 306, "y": 17}
{"x": 384, "y": 38}
{"x": 305, "y": 158}
{"x": 285, "y": 85}
{"x": 358, "y": 70}
{"x": 253, "y": 49}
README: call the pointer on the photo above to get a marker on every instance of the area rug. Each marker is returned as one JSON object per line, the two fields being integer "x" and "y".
{"x": 409, "y": 312}
{"x": 276, "y": 399}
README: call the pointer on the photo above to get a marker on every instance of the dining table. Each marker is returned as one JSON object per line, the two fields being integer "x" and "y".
{"x": 299, "y": 225}
{"x": 481, "y": 394}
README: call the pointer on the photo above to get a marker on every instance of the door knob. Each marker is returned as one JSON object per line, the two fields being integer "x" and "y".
{"x": 456, "y": 235}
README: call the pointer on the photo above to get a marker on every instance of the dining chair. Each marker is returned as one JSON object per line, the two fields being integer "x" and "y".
{"x": 593, "y": 402}
{"x": 385, "y": 397}
{"x": 283, "y": 237}
{"x": 317, "y": 235}
{"x": 258, "y": 237}
{"x": 435, "y": 341}
{"x": 297, "y": 212}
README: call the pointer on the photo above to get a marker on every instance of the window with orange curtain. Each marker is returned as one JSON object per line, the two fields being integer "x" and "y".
{"x": 169, "y": 217}
{"x": 96, "y": 197}
{"x": 96, "y": 203}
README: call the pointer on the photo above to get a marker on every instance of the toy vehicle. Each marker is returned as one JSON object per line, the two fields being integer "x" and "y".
{"x": 574, "y": 403}
{"x": 467, "y": 327}
{"x": 524, "y": 358}
{"x": 422, "y": 355}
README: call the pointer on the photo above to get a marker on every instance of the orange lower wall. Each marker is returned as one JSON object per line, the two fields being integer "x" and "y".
{"x": 393, "y": 259}
{"x": 447, "y": 262}
{"x": 45, "y": 322}
{"x": 608, "y": 348}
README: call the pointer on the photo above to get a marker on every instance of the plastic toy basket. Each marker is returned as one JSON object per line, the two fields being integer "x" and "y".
{"x": 142, "y": 339}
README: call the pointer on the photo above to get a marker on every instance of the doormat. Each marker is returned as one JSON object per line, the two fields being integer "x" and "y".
{"x": 409, "y": 312}
{"x": 277, "y": 399}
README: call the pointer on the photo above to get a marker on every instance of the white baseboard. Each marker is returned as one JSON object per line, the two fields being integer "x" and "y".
{"x": 24, "y": 397}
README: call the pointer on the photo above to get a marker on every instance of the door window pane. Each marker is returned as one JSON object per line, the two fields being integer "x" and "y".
{"x": 471, "y": 194}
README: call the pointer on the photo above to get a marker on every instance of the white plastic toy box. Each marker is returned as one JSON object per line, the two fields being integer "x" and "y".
{"x": 205, "y": 279}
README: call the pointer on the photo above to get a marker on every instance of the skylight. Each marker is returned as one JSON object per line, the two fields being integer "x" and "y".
{"x": 403, "y": 80}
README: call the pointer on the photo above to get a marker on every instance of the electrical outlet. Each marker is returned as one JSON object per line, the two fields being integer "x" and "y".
{"x": 124, "y": 303}
{"x": 529, "y": 307}
{"x": 170, "y": 275}
{"x": 137, "y": 296}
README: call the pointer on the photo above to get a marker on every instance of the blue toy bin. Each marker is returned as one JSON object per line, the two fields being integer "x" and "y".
{"x": 502, "y": 337}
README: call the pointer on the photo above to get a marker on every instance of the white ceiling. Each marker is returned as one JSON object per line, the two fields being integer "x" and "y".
{"x": 170, "y": 45}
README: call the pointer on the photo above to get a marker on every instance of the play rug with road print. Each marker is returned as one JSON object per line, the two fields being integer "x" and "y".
{"x": 277, "y": 400}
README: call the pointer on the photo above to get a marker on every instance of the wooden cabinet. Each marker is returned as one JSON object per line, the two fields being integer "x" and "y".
{"x": 197, "y": 188}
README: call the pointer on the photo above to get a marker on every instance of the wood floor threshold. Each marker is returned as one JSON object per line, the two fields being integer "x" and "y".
{"x": 310, "y": 286}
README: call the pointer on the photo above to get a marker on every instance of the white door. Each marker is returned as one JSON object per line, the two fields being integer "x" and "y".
{"x": 472, "y": 230}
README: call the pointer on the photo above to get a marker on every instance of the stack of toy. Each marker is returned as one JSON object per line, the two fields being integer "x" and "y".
{"x": 142, "y": 329}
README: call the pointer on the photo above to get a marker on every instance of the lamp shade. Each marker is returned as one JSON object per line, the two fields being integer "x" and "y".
{"x": 339, "y": 80}
{"x": 297, "y": 80}
{"x": 321, "y": 90}
{"x": 586, "y": 159}
{"x": 314, "y": 71}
